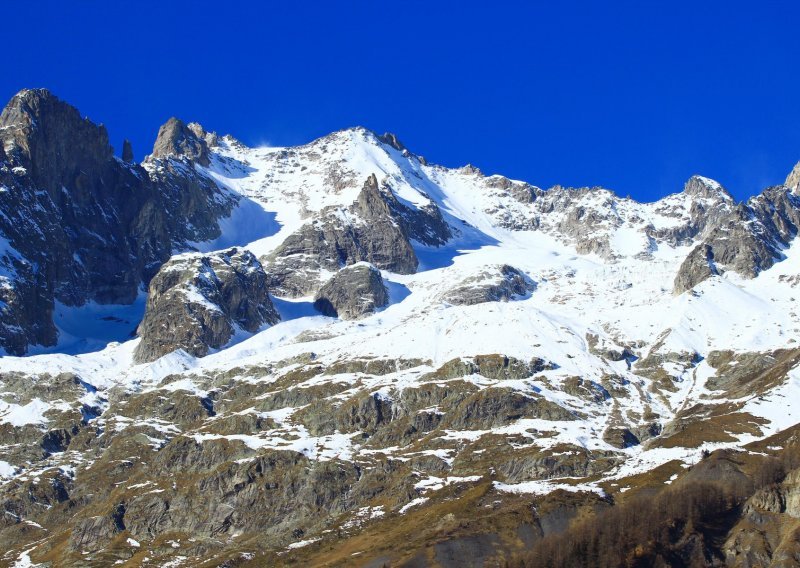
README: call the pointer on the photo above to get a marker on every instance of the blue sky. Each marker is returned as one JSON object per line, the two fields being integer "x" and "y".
{"x": 633, "y": 96}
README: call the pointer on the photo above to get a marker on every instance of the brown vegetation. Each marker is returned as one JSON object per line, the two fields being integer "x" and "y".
{"x": 683, "y": 524}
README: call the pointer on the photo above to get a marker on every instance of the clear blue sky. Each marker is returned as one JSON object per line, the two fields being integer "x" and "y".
{"x": 634, "y": 96}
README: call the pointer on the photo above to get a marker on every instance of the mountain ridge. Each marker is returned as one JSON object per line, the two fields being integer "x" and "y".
{"x": 341, "y": 338}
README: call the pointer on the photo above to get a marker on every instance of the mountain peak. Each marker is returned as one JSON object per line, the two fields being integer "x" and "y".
{"x": 31, "y": 98}
{"x": 700, "y": 186}
{"x": 178, "y": 139}
{"x": 50, "y": 138}
{"x": 793, "y": 179}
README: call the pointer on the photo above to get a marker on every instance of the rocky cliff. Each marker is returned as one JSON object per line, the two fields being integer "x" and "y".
{"x": 78, "y": 225}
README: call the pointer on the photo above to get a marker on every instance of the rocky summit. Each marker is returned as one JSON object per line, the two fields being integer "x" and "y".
{"x": 341, "y": 354}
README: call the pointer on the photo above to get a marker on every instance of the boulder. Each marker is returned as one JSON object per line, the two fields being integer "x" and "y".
{"x": 697, "y": 267}
{"x": 495, "y": 284}
{"x": 352, "y": 293}
{"x": 198, "y": 302}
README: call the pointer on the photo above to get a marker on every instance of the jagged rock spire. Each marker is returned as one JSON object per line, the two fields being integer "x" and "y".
{"x": 391, "y": 140}
{"x": 127, "y": 151}
{"x": 176, "y": 139}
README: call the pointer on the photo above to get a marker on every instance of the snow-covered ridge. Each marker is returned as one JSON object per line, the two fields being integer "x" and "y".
{"x": 298, "y": 182}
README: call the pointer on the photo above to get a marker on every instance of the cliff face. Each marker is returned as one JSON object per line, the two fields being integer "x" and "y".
{"x": 78, "y": 225}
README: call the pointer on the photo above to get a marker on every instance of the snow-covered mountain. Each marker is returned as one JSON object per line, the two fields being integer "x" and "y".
{"x": 431, "y": 337}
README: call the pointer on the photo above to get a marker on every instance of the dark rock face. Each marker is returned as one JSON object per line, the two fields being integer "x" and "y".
{"x": 492, "y": 366}
{"x": 127, "y": 151}
{"x": 352, "y": 293}
{"x": 498, "y": 284}
{"x": 493, "y": 407}
{"x": 376, "y": 228}
{"x": 79, "y": 225}
{"x": 390, "y": 139}
{"x": 698, "y": 266}
{"x": 748, "y": 239}
{"x": 197, "y": 302}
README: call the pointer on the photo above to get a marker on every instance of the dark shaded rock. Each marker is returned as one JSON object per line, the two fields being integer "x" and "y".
{"x": 93, "y": 533}
{"x": 585, "y": 389}
{"x": 182, "y": 408}
{"x": 377, "y": 367}
{"x": 81, "y": 225}
{"x": 748, "y": 239}
{"x": 620, "y": 437}
{"x": 363, "y": 414}
{"x": 697, "y": 267}
{"x": 491, "y": 366}
{"x": 352, "y": 293}
{"x": 127, "y": 151}
{"x": 647, "y": 431}
{"x": 445, "y": 396}
{"x": 197, "y": 302}
{"x": 495, "y": 407}
{"x": 391, "y": 140}
{"x": 745, "y": 374}
{"x": 569, "y": 461}
{"x": 612, "y": 353}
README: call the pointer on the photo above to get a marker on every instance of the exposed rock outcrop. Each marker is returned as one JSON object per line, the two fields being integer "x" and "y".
{"x": 198, "y": 302}
{"x": 495, "y": 284}
{"x": 793, "y": 179}
{"x": 747, "y": 239}
{"x": 493, "y": 407}
{"x": 127, "y": 151}
{"x": 766, "y": 534}
{"x": 353, "y": 292}
{"x": 376, "y": 228}
{"x": 77, "y": 224}
{"x": 492, "y": 366}
{"x": 390, "y": 139}
{"x": 176, "y": 139}
{"x": 698, "y": 266}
